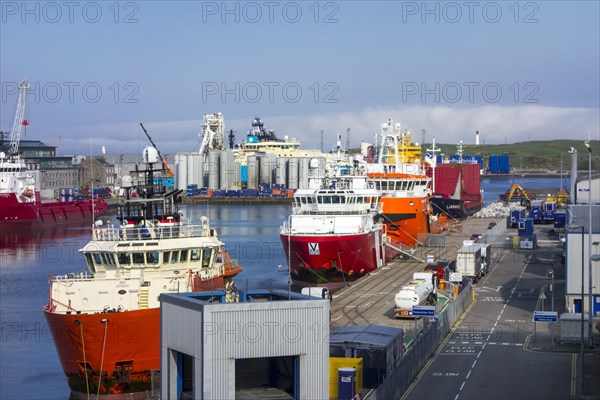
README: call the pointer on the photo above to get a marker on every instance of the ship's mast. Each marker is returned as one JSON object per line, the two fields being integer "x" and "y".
{"x": 19, "y": 122}
{"x": 433, "y": 149}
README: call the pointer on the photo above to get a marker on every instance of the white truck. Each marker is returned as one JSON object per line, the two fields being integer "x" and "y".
{"x": 469, "y": 261}
{"x": 320, "y": 292}
{"x": 420, "y": 291}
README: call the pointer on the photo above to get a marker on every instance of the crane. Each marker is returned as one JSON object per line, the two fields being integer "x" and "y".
{"x": 164, "y": 160}
{"x": 19, "y": 122}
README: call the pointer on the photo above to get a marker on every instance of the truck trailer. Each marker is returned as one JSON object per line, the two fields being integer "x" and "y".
{"x": 418, "y": 292}
{"x": 469, "y": 262}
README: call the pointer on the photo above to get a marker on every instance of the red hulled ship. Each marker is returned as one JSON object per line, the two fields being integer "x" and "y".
{"x": 105, "y": 320}
{"x": 20, "y": 202}
{"x": 332, "y": 235}
{"x": 456, "y": 185}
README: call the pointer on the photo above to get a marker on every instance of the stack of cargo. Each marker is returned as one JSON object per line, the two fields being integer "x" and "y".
{"x": 499, "y": 164}
{"x": 192, "y": 190}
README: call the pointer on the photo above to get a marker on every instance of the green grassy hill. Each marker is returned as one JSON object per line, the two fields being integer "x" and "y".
{"x": 535, "y": 155}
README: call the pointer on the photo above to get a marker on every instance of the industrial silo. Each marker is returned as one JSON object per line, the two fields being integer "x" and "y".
{"x": 252, "y": 172}
{"x": 281, "y": 171}
{"x": 213, "y": 170}
{"x": 292, "y": 175}
{"x": 181, "y": 171}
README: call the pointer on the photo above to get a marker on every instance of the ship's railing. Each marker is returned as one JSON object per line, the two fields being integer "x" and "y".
{"x": 335, "y": 209}
{"x": 125, "y": 233}
{"x": 73, "y": 276}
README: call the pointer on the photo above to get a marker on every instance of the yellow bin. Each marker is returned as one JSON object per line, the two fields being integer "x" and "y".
{"x": 340, "y": 362}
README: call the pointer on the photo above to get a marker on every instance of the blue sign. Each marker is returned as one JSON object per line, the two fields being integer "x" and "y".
{"x": 545, "y": 316}
{"x": 423, "y": 311}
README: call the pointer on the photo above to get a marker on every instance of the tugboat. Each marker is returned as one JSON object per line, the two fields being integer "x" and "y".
{"x": 333, "y": 236}
{"x": 105, "y": 320}
{"x": 20, "y": 202}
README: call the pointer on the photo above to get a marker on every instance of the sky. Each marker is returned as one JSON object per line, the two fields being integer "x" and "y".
{"x": 511, "y": 70}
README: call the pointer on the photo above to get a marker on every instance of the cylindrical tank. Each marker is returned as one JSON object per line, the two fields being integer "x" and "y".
{"x": 252, "y": 172}
{"x": 293, "y": 167}
{"x": 281, "y": 171}
{"x": 266, "y": 169}
{"x": 413, "y": 294}
{"x": 181, "y": 171}
{"x": 213, "y": 170}
{"x": 304, "y": 173}
{"x": 227, "y": 170}
{"x": 238, "y": 174}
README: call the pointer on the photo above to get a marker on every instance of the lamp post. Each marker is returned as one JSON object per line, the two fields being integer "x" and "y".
{"x": 581, "y": 361}
{"x": 552, "y": 288}
{"x": 590, "y": 230}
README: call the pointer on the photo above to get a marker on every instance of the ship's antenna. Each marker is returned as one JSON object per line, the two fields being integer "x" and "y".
{"x": 289, "y": 257}
{"x": 322, "y": 132}
{"x": 92, "y": 187}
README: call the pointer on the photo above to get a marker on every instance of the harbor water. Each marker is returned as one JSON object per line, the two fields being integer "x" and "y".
{"x": 29, "y": 366}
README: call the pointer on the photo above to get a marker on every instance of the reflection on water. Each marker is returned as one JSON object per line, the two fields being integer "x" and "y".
{"x": 29, "y": 366}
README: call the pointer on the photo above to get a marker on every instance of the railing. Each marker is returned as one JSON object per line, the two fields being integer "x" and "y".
{"x": 73, "y": 276}
{"x": 126, "y": 233}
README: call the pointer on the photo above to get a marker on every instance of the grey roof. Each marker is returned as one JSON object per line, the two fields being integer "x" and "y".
{"x": 374, "y": 335}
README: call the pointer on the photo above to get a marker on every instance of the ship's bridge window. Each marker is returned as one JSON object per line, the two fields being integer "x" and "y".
{"x": 166, "y": 257}
{"x": 175, "y": 257}
{"x": 152, "y": 257}
{"x": 138, "y": 258}
{"x": 183, "y": 256}
{"x": 124, "y": 258}
{"x": 206, "y": 257}
{"x": 90, "y": 263}
{"x": 195, "y": 254}
{"x": 97, "y": 258}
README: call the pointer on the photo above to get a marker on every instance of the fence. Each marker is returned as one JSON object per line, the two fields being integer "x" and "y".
{"x": 422, "y": 348}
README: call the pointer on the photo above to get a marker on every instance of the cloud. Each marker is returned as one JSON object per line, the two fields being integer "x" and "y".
{"x": 496, "y": 125}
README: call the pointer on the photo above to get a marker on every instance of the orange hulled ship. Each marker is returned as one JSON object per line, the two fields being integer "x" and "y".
{"x": 400, "y": 176}
{"x": 105, "y": 320}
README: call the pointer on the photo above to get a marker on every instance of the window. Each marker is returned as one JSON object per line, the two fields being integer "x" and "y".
{"x": 206, "y": 257}
{"x": 138, "y": 258}
{"x": 195, "y": 254}
{"x": 183, "y": 256}
{"x": 97, "y": 258}
{"x": 166, "y": 257}
{"x": 124, "y": 258}
{"x": 90, "y": 263}
{"x": 175, "y": 257}
{"x": 152, "y": 257}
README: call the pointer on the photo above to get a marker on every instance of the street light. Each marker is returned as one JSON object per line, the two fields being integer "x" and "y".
{"x": 551, "y": 272}
{"x": 590, "y": 230}
{"x": 575, "y": 227}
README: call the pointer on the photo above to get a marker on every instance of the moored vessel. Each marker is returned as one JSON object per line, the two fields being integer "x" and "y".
{"x": 105, "y": 320}
{"x": 456, "y": 186}
{"x": 405, "y": 188}
{"x": 20, "y": 202}
{"x": 332, "y": 235}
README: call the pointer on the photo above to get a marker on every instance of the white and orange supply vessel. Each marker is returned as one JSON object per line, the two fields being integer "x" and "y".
{"x": 405, "y": 188}
{"x": 332, "y": 235}
{"x": 105, "y": 321}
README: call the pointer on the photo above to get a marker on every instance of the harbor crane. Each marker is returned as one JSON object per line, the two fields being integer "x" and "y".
{"x": 164, "y": 160}
{"x": 19, "y": 122}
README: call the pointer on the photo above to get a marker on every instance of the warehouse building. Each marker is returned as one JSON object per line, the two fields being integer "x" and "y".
{"x": 264, "y": 342}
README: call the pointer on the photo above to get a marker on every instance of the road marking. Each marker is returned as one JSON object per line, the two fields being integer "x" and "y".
{"x": 469, "y": 374}
{"x": 499, "y": 287}
{"x": 456, "y": 397}
{"x": 479, "y": 354}
{"x": 475, "y": 362}
{"x": 463, "y": 385}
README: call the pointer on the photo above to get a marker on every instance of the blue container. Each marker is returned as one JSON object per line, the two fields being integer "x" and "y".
{"x": 244, "y": 173}
{"x": 249, "y": 193}
{"x": 526, "y": 227}
{"x": 499, "y": 164}
{"x": 560, "y": 220}
{"x": 346, "y": 383}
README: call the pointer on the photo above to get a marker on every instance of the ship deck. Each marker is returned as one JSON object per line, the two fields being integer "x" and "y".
{"x": 370, "y": 299}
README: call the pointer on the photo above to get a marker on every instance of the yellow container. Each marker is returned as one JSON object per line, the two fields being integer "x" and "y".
{"x": 340, "y": 362}
{"x": 516, "y": 242}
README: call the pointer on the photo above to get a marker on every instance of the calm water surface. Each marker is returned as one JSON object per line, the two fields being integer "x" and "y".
{"x": 29, "y": 367}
